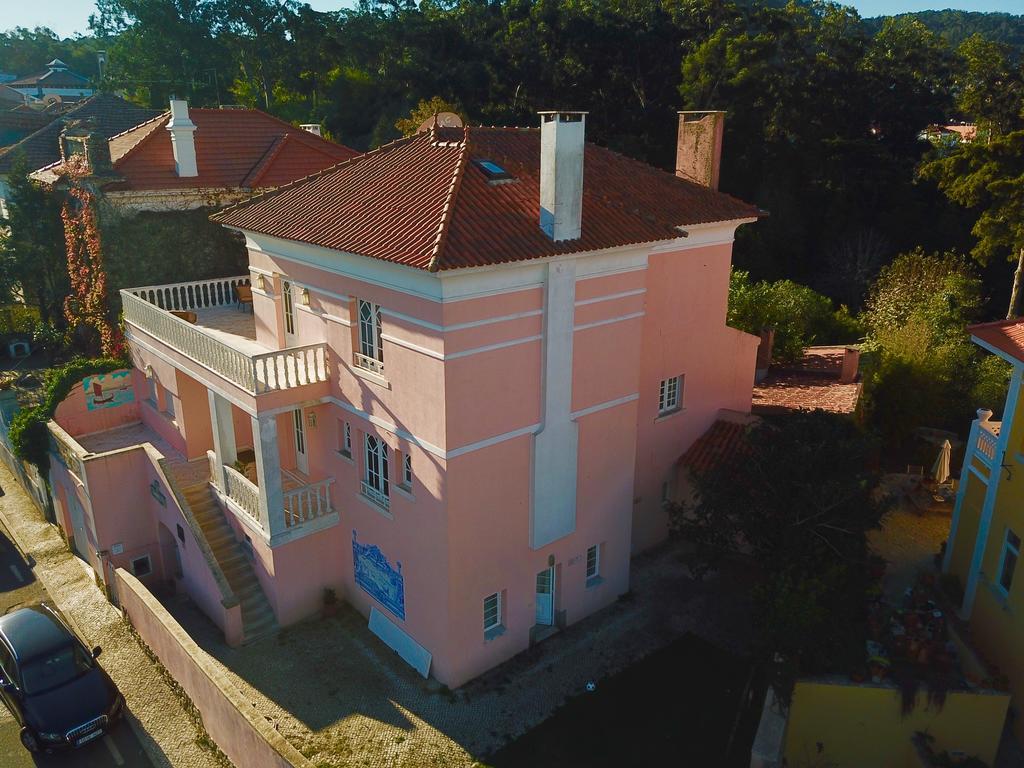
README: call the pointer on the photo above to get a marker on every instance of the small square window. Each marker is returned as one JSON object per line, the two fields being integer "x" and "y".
{"x": 670, "y": 395}
{"x": 141, "y": 566}
{"x": 492, "y": 612}
{"x": 593, "y": 562}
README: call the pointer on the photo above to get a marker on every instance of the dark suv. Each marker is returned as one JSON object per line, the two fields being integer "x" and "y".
{"x": 51, "y": 682}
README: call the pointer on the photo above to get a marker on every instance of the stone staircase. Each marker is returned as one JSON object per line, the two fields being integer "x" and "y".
{"x": 257, "y": 615}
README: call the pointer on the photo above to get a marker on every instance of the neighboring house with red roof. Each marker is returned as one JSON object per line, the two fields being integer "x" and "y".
{"x": 825, "y": 378}
{"x": 184, "y": 159}
{"x": 474, "y": 359}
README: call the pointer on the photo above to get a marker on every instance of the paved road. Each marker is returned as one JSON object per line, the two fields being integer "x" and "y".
{"x": 19, "y": 587}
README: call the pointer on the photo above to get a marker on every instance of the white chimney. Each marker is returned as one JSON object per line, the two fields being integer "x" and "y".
{"x": 561, "y": 173}
{"x": 313, "y": 128}
{"x": 183, "y": 142}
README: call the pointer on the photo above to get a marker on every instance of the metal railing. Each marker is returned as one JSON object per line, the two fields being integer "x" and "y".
{"x": 368, "y": 363}
{"x": 265, "y": 372}
{"x": 376, "y": 496}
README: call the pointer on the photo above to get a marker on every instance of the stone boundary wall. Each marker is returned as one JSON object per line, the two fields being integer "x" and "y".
{"x": 233, "y": 723}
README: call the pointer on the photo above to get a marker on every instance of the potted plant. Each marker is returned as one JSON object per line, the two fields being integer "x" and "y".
{"x": 330, "y": 602}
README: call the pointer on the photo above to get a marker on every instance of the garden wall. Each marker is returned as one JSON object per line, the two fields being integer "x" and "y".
{"x": 233, "y": 723}
{"x": 850, "y": 725}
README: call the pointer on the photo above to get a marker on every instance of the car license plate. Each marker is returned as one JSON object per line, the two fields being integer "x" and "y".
{"x": 89, "y": 737}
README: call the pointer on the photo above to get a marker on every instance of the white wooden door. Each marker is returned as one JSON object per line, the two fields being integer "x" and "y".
{"x": 301, "y": 458}
{"x": 546, "y": 597}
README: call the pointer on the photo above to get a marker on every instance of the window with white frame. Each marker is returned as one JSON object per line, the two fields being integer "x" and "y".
{"x": 371, "y": 349}
{"x": 289, "y": 308}
{"x": 593, "y": 562}
{"x": 492, "y": 612}
{"x": 670, "y": 395}
{"x": 375, "y": 482}
{"x": 407, "y": 470}
{"x": 168, "y": 402}
{"x": 1008, "y": 562}
{"x": 345, "y": 438}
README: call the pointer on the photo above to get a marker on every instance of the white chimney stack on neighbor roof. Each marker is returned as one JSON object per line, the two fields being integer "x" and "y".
{"x": 183, "y": 140}
{"x": 561, "y": 173}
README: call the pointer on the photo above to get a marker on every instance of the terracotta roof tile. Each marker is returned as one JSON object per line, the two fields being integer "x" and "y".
{"x": 113, "y": 115}
{"x": 420, "y": 202}
{"x": 808, "y": 385}
{"x": 1006, "y": 336}
{"x": 235, "y": 149}
{"x": 724, "y": 441}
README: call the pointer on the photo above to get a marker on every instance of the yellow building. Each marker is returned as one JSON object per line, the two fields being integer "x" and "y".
{"x": 988, "y": 522}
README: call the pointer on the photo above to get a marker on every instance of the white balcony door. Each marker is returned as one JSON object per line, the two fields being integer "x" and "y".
{"x": 301, "y": 457}
{"x": 546, "y": 597}
{"x": 288, "y": 303}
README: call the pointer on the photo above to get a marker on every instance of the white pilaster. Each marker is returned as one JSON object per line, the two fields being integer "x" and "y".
{"x": 268, "y": 471}
{"x": 222, "y": 425}
{"x": 555, "y": 447}
{"x": 965, "y": 478}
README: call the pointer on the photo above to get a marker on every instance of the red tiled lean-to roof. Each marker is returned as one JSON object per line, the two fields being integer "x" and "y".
{"x": 421, "y": 202}
{"x": 235, "y": 148}
{"x": 724, "y": 441}
{"x": 1007, "y": 336}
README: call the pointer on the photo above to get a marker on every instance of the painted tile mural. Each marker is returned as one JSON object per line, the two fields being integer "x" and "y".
{"x": 108, "y": 390}
{"x": 377, "y": 578}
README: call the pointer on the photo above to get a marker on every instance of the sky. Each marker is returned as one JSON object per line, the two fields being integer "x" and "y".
{"x": 66, "y": 17}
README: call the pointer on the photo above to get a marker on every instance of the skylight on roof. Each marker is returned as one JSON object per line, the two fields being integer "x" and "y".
{"x": 494, "y": 172}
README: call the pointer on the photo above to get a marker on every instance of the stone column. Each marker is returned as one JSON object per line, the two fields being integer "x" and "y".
{"x": 268, "y": 471}
{"x": 222, "y": 424}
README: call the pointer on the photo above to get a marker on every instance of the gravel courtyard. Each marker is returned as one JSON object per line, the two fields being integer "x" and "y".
{"x": 344, "y": 699}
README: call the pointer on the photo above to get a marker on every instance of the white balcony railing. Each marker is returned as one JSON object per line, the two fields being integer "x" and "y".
{"x": 264, "y": 372}
{"x": 377, "y": 497}
{"x": 243, "y": 492}
{"x": 307, "y": 503}
{"x": 200, "y": 294}
{"x": 367, "y": 363}
{"x": 987, "y": 442}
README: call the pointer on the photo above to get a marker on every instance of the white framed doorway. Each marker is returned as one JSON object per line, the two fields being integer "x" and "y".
{"x": 545, "y": 598}
{"x": 299, "y": 428}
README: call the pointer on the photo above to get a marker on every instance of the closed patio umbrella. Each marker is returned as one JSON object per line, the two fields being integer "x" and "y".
{"x": 940, "y": 471}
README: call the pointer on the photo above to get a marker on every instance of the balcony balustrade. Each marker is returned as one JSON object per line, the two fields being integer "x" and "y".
{"x": 240, "y": 360}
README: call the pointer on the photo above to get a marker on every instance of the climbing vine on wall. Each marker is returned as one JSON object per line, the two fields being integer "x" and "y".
{"x": 86, "y": 305}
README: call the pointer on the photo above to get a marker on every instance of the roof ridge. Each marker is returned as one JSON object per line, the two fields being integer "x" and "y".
{"x": 263, "y": 163}
{"x": 241, "y": 204}
{"x": 449, "y": 202}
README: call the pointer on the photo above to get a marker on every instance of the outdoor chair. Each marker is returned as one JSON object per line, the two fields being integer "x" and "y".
{"x": 244, "y": 294}
{"x": 188, "y": 317}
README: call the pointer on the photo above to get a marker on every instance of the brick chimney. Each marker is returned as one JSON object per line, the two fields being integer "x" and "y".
{"x": 699, "y": 147}
{"x": 183, "y": 140}
{"x": 561, "y": 174}
{"x": 80, "y": 138}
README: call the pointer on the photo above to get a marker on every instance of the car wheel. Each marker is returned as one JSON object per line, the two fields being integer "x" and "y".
{"x": 29, "y": 740}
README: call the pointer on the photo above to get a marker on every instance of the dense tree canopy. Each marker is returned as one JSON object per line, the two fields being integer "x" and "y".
{"x": 824, "y": 108}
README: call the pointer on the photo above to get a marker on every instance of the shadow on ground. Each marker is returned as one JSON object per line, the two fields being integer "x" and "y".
{"x": 341, "y": 697}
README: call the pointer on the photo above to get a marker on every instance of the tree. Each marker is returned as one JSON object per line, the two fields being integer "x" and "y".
{"x": 990, "y": 86}
{"x": 422, "y": 112}
{"x": 33, "y": 263}
{"x": 798, "y": 504}
{"x": 989, "y": 178}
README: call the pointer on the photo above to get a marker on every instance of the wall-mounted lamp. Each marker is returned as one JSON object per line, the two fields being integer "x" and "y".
{"x": 305, "y": 296}
{"x": 261, "y": 282}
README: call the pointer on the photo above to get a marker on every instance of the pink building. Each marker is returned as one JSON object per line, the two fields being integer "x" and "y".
{"x": 474, "y": 359}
